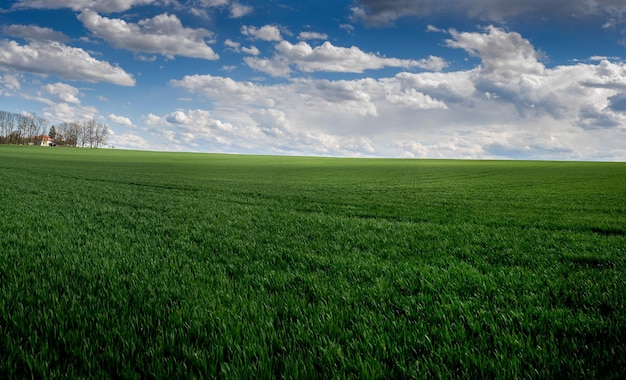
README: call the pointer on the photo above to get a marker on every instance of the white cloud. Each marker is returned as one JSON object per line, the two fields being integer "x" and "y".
{"x": 227, "y": 89}
{"x": 34, "y": 32}
{"x": 502, "y": 53}
{"x": 273, "y": 67}
{"x": 355, "y": 97}
{"x": 252, "y": 50}
{"x": 236, "y": 46}
{"x": 330, "y": 58}
{"x": 151, "y": 119}
{"x": 265, "y": 127}
{"x": 347, "y": 27}
{"x": 62, "y": 112}
{"x": 508, "y": 106}
{"x": 264, "y": 33}
{"x": 238, "y": 10}
{"x": 10, "y": 82}
{"x": 415, "y": 99}
{"x": 53, "y": 58}
{"x": 104, "y": 6}
{"x": 312, "y": 36}
{"x": 232, "y": 44}
{"x": 131, "y": 141}
{"x": 163, "y": 34}
{"x": 63, "y": 92}
{"x": 121, "y": 120}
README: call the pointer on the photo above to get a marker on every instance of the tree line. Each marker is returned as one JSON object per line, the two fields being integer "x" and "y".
{"x": 25, "y": 129}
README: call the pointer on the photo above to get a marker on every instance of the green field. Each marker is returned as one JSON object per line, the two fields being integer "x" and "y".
{"x": 168, "y": 265}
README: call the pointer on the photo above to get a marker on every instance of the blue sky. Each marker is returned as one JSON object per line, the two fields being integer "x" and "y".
{"x": 500, "y": 79}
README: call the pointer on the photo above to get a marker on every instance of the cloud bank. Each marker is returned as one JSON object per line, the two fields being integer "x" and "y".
{"x": 510, "y": 105}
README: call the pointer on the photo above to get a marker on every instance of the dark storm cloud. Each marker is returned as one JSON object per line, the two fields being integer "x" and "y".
{"x": 380, "y": 12}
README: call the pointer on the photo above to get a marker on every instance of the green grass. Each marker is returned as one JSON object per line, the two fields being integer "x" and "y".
{"x": 163, "y": 265}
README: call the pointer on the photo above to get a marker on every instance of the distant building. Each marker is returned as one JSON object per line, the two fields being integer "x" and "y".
{"x": 44, "y": 140}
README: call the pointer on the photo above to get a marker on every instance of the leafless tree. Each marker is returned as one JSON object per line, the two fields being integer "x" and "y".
{"x": 25, "y": 128}
{"x": 6, "y": 126}
{"x": 40, "y": 125}
{"x": 67, "y": 134}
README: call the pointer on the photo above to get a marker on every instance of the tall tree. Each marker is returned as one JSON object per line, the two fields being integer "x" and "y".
{"x": 10, "y": 129}
{"x": 102, "y": 134}
{"x": 4, "y": 127}
{"x": 39, "y": 125}
{"x": 76, "y": 135}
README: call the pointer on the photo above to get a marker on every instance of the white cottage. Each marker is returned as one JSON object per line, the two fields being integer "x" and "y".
{"x": 44, "y": 140}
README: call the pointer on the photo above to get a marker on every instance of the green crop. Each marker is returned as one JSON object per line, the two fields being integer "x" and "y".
{"x": 171, "y": 265}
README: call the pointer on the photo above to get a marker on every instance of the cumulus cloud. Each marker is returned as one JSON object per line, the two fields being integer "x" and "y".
{"x": 193, "y": 127}
{"x": 63, "y": 92}
{"x": 121, "y": 120}
{"x": 342, "y": 96}
{"x": 264, "y": 33}
{"x": 502, "y": 53}
{"x": 54, "y": 58}
{"x": 415, "y": 99}
{"x": 227, "y": 89}
{"x": 377, "y": 12}
{"x": 330, "y": 58}
{"x": 130, "y": 141}
{"x": 510, "y": 70}
{"x": 266, "y": 127}
{"x": 606, "y": 75}
{"x": 61, "y": 112}
{"x": 34, "y": 33}
{"x": 510, "y": 105}
{"x": 163, "y": 34}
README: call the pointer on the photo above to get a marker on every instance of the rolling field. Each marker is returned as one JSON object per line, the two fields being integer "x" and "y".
{"x": 170, "y": 265}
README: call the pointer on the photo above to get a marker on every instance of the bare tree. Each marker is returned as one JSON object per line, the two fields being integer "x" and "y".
{"x": 101, "y": 135}
{"x": 67, "y": 134}
{"x": 25, "y": 128}
{"x": 40, "y": 125}
{"x": 10, "y": 127}
{"x": 24, "y": 125}
{"x": 76, "y": 134}
{"x": 4, "y": 127}
{"x": 61, "y": 134}
{"x": 90, "y": 130}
